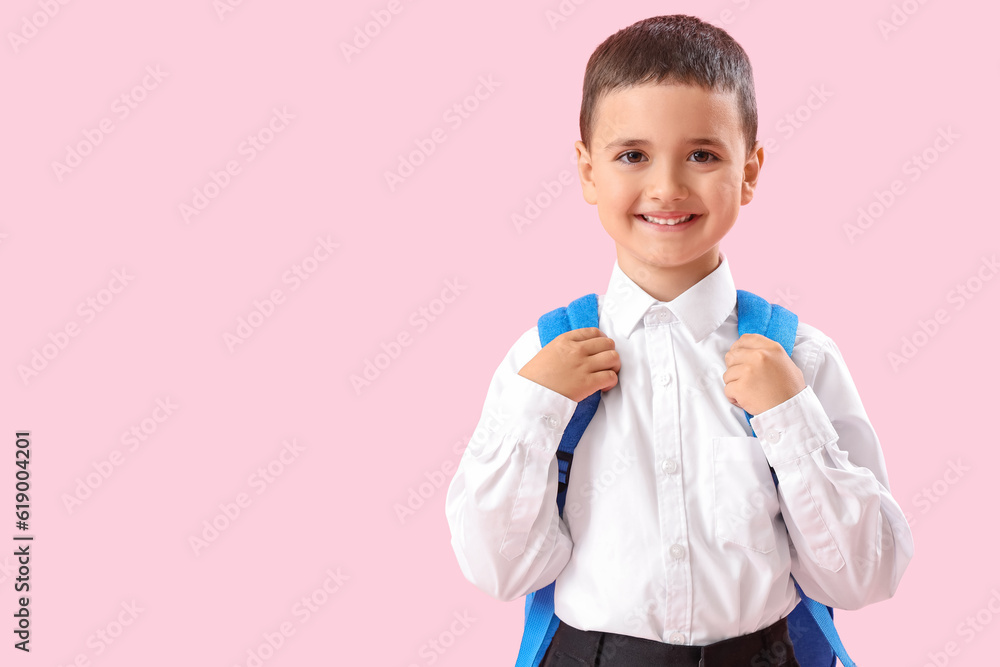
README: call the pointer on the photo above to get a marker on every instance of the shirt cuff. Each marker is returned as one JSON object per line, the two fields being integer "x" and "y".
{"x": 793, "y": 428}
{"x": 535, "y": 414}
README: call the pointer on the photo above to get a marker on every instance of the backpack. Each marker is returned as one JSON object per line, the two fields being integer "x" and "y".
{"x": 814, "y": 637}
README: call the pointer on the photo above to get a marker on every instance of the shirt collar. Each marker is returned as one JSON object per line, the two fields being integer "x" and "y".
{"x": 702, "y": 308}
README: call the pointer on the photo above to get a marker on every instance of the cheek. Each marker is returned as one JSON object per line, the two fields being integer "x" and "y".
{"x": 615, "y": 193}
{"x": 729, "y": 187}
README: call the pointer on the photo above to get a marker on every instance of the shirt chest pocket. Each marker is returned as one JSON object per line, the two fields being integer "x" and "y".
{"x": 746, "y": 501}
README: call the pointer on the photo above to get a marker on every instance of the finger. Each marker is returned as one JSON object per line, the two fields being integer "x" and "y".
{"x": 728, "y": 391}
{"x": 751, "y": 340}
{"x": 605, "y": 380}
{"x": 732, "y": 399}
{"x": 608, "y": 359}
{"x": 586, "y": 333}
{"x": 596, "y": 345}
{"x": 735, "y": 358}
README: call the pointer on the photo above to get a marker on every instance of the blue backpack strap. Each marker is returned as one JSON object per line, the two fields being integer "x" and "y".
{"x": 540, "y": 620}
{"x": 817, "y": 639}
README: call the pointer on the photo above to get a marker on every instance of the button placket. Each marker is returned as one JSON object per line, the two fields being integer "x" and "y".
{"x": 667, "y": 450}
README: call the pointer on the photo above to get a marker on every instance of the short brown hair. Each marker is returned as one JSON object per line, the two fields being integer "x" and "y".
{"x": 672, "y": 49}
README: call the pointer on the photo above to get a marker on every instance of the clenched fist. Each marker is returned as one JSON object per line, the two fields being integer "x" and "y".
{"x": 760, "y": 375}
{"x": 576, "y": 364}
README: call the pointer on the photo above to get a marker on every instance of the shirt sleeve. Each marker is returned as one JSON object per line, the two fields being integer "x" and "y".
{"x": 501, "y": 507}
{"x": 850, "y": 541}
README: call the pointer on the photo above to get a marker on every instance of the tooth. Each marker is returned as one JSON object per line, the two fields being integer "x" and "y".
{"x": 677, "y": 220}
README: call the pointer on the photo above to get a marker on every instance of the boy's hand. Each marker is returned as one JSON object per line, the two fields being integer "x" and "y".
{"x": 576, "y": 364}
{"x": 760, "y": 374}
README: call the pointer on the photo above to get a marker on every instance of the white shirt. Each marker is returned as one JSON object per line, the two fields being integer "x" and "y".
{"x": 673, "y": 529}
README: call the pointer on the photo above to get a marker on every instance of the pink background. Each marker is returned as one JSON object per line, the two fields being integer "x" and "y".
{"x": 333, "y": 504}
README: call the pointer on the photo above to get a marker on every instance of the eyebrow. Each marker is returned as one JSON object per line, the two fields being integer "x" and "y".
{"x": 704, "y": 141}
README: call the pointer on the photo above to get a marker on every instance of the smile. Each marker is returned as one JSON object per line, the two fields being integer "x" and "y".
{"x": 668, "y": 222}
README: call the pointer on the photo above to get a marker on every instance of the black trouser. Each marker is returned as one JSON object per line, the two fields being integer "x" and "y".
{"x": 769, "y": 647}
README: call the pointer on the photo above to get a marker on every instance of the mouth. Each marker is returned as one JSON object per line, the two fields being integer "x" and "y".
{"x": 670, "y": 223}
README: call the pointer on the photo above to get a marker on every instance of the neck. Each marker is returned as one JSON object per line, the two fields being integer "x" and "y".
{"x": 666, "y": 283}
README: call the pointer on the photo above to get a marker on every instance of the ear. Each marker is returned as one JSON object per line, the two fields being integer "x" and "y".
{"x": 585, "y": 167}
{"x": 751, "y": 172}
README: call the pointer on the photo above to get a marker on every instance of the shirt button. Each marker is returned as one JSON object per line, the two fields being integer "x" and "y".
{"x": 677, "y": 551}
{"x": 772, "y": 435}
{"x": 669, "y": 466}
{"x": 677, "y": 638}
{"x": 665, "y": 379}
{"x": 551, "y": 421}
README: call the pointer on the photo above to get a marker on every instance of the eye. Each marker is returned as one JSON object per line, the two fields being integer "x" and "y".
{"x": 704, "y": 153}
{"x": 627, "y": 153}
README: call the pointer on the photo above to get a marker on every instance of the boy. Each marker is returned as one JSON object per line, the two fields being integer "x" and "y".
{"x": 674, "y": 536}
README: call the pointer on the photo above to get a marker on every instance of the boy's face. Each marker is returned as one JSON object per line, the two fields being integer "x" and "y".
{"x": 649, "y": 155}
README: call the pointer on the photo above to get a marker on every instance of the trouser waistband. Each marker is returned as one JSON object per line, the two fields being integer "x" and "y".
{"x": 769, "y": 646}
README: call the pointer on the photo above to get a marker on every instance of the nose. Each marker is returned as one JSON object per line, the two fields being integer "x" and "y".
{"x": 666, "y": 181}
